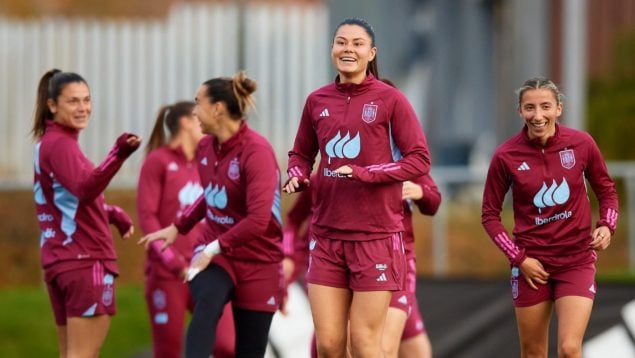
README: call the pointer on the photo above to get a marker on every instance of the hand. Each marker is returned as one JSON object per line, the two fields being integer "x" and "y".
{"x": 200, "y": 261}
{"x": 601, "y": 238}
{"x": 134, "y": 140}
{"x": 287, "y": 269}
{"x": 168, "y": 234}
{"x": 129, "y": 233}
{"x": 533, "y": 272}
{"x": 294, "y": 184}
{"x": 345, "y": 170}
{"x": 411, "y": 191}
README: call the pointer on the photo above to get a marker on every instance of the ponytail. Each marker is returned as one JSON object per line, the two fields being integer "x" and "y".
{"x": 50, "y": 87}
{"x": 169, "y": 117}
{"x": 42, "y": 112}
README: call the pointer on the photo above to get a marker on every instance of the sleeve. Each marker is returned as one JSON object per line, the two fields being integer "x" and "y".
{"x": 603, "y": 187}
{"x": 297, "y": 215}
{"x": 262, "y": 185}
{"x": 151, "y": 181}
{"x": 305, "y": 147}
{"x": 191, "y": 216}
{"x": 431, "y": 200}
{"x": 496, "y": 186}
{"x": 118, "y": 217}
{"x": 410, "y": 140}
{"x": 174, "y": 261}
{"x": 78, "y": 176}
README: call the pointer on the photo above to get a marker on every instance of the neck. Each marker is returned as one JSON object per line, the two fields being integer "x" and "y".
{"x": 187, "y": 144}
{"x": 353, "y": 78}
{"x": 230, "y": 128}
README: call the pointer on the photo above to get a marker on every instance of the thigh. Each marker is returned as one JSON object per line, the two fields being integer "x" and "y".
{"x": 417, "y": 346}
{"x": 533, "y": 327}
{"x": 573, "y": 314}
{"x": 393, "y": 330}
{"x": 252, "y": 332}
{"x": 367, "y": 317}
{"x": 376, "y": 265}
{"x": 85, "y": 335}
{"x": 330, "y": 310}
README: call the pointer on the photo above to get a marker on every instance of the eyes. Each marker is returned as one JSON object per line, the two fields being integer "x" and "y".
{"x": 531, "y": 107}
{"x": 74, "y": 101}
{"x": 355, "y": 43}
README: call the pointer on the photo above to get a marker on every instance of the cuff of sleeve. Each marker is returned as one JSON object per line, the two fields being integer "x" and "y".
{"x": 519, "y": 258}
{"x": 181, "y": 227}
{"x": 604, "y": 223}
{"x": 212, "y": 248}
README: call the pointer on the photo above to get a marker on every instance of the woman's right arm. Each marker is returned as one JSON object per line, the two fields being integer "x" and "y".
{"x": 496, "y": 186}
{"x": 78, "y": 177}
{"x": 302, "y": 156}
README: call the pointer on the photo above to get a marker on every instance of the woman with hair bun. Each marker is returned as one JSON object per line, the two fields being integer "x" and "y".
{"x": 238, "y": 257}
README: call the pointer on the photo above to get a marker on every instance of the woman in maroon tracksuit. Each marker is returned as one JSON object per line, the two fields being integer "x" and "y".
{"x": 168, "y": 184}
{"x": 243, "y": 236}
{"x": 360, "y": 126}
{"x": 78, "y": 255}
{"x": 553, "y": 252}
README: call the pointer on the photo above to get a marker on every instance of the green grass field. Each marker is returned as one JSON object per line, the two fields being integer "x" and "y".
{"x": 27, "y": 328}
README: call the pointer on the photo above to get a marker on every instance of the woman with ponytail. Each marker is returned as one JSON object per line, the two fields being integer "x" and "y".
{"x": 168, "y": 185}
{"x": 238, "y": 257}
{"x": 77, "y": 252}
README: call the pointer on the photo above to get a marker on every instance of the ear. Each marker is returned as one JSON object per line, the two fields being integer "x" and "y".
{"x": 373, "y": 53}
{"x": 51, "y": 105}
{"x": 559, "y": 109}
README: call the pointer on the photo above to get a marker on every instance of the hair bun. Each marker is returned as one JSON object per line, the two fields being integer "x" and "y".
{"x": 243, "y": 84}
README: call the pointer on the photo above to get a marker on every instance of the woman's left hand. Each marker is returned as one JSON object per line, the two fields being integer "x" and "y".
{"x": 601, "y": 238}
{"x": 200, "y": 261}
{"x": 344, "y": 170}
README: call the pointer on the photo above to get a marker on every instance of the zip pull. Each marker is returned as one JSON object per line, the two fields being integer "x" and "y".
{"x": 348, "y": 100}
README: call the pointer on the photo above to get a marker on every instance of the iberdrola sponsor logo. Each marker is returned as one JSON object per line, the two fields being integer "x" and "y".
{"x": 559, "y": 216}
{"x": 332, "y": 174}
{"x": 346, "y": 147}
{"x": 220, "y": 219}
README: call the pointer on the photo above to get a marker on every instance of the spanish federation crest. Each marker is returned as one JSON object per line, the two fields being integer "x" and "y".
{"x": 369, "y": 112}
{"x": 567, "y": 158}
{"x": 233, "y": 172}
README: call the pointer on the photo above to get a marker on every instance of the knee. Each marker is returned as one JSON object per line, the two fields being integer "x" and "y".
{"x": 533, "y": 351}
{"x": 390, "y": 349}
{"x": 569, "y": 349}
{"x": 331, "y": 347}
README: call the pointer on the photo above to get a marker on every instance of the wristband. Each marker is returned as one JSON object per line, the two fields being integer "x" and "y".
{"x": 212, "y": 249}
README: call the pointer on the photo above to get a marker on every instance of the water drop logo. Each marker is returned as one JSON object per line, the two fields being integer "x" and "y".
{"x": 216, "y": 197}
{"x": 553, "y": 195}
{"x": 343, "y": 147}
{"x": 189, "y": 193}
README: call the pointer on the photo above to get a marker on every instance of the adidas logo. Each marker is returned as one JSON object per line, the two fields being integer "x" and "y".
{"x": 382, "y": 278}
{"x": 403, "y": 300}
{"x": 204, "y": 161}
{"x": 523, "y": 166}
{"x": 271, "y": 301}
{"x": 592, "y": 288}
{"x": 325, "y": 113}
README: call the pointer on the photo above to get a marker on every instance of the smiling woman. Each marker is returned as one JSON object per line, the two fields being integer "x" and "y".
{"x": 77, "y": 252}
{"x": 370, "y": 141}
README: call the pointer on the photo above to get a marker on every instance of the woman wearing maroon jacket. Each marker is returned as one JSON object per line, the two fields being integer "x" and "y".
{"x": 553, "y": 252}
{"x": 168, "y": 184}
{"x": 78, "y": 254}
{"x": 360, "y": 126}
{"x": 243, "y": 235}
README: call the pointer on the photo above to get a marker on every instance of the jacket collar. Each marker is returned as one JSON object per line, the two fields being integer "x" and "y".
{"x": 536, "y": 143}
{"x": 234, "y": 141}
{"x": 52, "y": 126}
{"x": 354, "y": 89}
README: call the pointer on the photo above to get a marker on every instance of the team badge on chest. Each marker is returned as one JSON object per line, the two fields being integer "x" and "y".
{"x": 369, "y": 112}
{"x": 567, "y": 158}
{"x": 233, "y": 171}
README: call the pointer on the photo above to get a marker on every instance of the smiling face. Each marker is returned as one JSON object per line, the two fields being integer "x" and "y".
{"x": 351, "y": 52}
{"x": 72, "y": 107}
{"x": 540, "y": 110}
